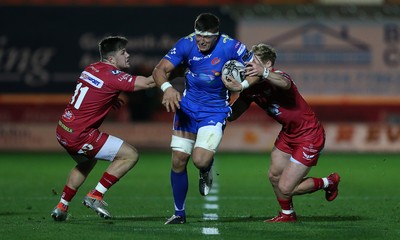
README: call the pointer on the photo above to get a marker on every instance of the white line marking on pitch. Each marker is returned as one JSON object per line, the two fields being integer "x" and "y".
{"x": 211, "y": 198}
{"x": 211, "y": 203}
{"x": 210, "y": 231}
{"x": 210, "y": 216}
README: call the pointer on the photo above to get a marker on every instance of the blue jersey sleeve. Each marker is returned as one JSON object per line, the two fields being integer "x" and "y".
{"x": 235, "y": 50}
{"x": 180, "y": 51}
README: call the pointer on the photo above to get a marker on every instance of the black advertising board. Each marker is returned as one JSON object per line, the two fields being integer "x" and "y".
{"x": 43, "y": 49}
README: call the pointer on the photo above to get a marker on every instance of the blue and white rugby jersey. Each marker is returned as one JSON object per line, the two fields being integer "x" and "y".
{"x": 204, "y": 86}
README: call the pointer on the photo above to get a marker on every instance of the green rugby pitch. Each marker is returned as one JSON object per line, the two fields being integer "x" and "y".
{"x": 368, "y": 205}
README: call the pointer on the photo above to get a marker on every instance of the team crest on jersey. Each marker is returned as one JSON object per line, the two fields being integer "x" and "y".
{"x": 115, "y": 72}
{"x": 215, "y": 61}
{"x": 68, "y": 116}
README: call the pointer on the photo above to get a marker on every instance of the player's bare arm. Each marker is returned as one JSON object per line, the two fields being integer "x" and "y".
{"x": 171, "y": 97}
{"x": 143, "y": 83}
{"x": 238, "y": 108}
{"x": 279, "y": 80}
{"x": 256, "y": 68}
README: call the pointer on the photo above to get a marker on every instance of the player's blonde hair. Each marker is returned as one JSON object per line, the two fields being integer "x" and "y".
{"x": 264, "y": 52}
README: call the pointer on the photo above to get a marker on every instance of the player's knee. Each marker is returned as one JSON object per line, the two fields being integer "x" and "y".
{"x": 202, "y": 158}
{"x": 130, "y": 155}
{"x": 273, "y": 177}
{"x": 179, "y": 161}
{"x": 201, "y": 163}
{"x": 285, "y": 189}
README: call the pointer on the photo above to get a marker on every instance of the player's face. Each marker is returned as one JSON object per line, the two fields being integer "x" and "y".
{"x": 205, "y": 43}
{"x": 122, "y": 59}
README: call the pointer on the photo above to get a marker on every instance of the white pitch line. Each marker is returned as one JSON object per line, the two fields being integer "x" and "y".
{"x": 210, "y": 216}
{"x": 211, "y": 198}
{"x": 210, "y": 231}
{"x": 211, "y": 203}
{"x": 211, "y": 206}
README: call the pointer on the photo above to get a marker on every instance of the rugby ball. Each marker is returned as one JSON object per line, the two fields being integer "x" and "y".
{"x": 235, "y": 69}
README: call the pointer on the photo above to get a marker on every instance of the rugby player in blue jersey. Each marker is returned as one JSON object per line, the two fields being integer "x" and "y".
{"x": 202, "y": 109}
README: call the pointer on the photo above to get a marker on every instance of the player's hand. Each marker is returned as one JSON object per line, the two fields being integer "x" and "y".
{"x": 171, "y": 99}
{"x": 231, "y": 84}
{"x": 254, "y": 69}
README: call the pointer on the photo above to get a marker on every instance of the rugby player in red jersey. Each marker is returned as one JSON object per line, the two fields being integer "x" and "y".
{"x": 299, "y": 143}
{"x": 96, "y": 93}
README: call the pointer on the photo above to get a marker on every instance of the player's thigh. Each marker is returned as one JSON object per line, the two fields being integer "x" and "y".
{"x": 209, "y": 137}
{"x": 292, "y": 175}
{"x": 279, "y": 161}
{"x": 127, "y": 152}
{"x": 115, "y": 148}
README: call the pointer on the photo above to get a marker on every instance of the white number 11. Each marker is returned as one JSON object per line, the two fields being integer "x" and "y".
{"x": 81, "y": 92}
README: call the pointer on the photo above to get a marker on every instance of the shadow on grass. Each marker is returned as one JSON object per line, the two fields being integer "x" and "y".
{"x": 299, "y": 219}
{"x": 199, "y": 219}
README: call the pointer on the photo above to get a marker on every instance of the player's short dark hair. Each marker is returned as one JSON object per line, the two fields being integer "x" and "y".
{"x": 264, "y": 52}
{"x": 207, "y": 22}
{"x": 111, "y": 44}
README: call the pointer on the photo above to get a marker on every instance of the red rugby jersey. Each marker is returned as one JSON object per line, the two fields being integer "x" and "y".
{"x": 287, "y": 107}
{"x": 98, "y": 86}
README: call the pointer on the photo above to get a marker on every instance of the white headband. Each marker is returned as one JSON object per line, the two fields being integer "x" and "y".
{"x": 197, "y": 32}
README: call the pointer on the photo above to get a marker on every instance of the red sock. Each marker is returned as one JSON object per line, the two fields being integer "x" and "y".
{"x": 318, "y": 184}
{"x": 106, "y": 181}
{"x": 68, "y": 193}
{"x": 286, "y": 204}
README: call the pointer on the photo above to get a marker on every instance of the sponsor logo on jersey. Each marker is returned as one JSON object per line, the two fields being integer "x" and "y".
{"x": 196, "y": 58}
{"x": 65, "y": 127}
{"x": 241, "y": 49}
{"x": 125, "y": 77}
{"x": 172, "y": 51}
{"x": 91, "y": 79}
{"x": 115, "y": 72}
{"x": 247, "y": 56}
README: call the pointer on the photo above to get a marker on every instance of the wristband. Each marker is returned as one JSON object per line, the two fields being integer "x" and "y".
{"x": 265, "y": 73}
{"x": 165, "y": 85}
{"x": 245, "y": 84}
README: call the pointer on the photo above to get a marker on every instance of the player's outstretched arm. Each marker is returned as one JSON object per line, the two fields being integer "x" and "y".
{"x": 143, "y": 83}
{"x": 256, "y": 68}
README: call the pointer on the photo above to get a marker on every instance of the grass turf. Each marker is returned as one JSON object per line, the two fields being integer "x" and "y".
{"x": 367, "y": 207}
